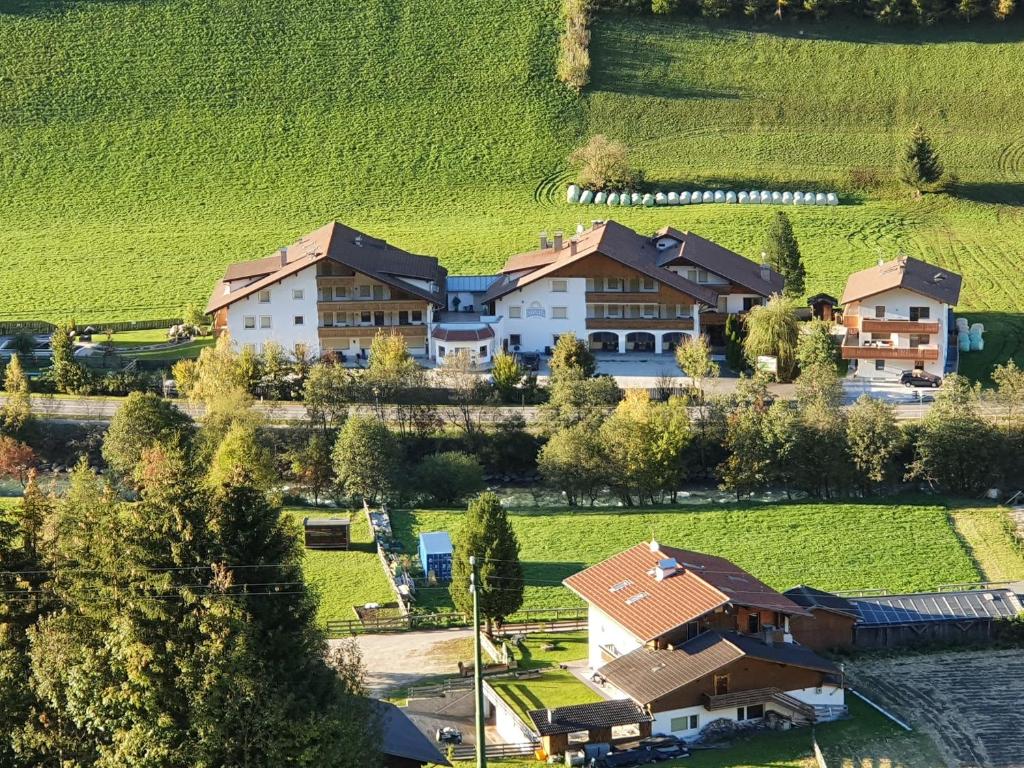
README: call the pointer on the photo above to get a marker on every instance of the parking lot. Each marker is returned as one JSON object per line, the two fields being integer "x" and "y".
{"x": 968, "y": 702}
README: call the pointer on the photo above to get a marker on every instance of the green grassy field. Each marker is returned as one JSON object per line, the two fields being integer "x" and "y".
{"x": 148, "y": 144}
{"x": 830, "y": 546}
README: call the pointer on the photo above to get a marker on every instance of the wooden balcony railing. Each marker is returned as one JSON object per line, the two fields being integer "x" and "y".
{"x": 364, "y": 331}
{"x": 879, "y": 325}
{"x": 370, "y": 305}
{"x": 640, "y": 323}
{"x": 623, "y": 297}
{"x": 885, "y": 352}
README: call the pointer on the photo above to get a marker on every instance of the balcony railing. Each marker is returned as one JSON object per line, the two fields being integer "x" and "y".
{"x": 362, "y": 331}
{"x": 369, "y": 305}
{"x": 622, "y": 297}
{"x": 852, "y": 349}
{"x": 883, "y": 325}
{"x": 640, "y": 323}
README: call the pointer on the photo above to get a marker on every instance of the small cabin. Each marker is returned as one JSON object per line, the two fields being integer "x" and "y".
{"x": 327, "y": 533}
{"x": 436, "y": 554}
{"x": 823, "y": 306}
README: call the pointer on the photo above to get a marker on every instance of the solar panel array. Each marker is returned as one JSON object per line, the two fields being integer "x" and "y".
{"x": 937, "y": 606}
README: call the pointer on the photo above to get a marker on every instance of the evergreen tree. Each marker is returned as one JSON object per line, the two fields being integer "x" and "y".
{"x": 487, "y": 534}
{"x": 571, "y": 359}
{"x": 734, "y": 334}
{"x": 68, "y": 373}
{"x": 243, "y": 458}
{"x": 920, "y": 167}
{"x": 17, "y": 409}
{"x": 507, "y": 374}
{"x": 817, "y": 346}
{"x": 311, "y": 466}
{"x": 782, "y": 253}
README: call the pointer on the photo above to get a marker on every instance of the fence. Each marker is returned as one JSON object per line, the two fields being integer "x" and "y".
{"x": 10, "y": 328}
{"x": 524, "y": 622}
{"x": 818, "y": 755}
{"x": 494, "y": 751}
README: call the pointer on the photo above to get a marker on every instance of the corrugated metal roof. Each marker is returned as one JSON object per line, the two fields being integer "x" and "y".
{"x": 809, "y": 597}
{"x": 582, "y": 717}
{"x": 470, "y": 283}
{"x": 937, "y": 606}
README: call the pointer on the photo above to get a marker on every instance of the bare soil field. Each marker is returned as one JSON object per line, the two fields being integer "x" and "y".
{"x": 968, "y": 702}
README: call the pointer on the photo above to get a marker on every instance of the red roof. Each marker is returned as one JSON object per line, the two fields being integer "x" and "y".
{"x": 624, "y": 587}
{"x": 462, "y": 334}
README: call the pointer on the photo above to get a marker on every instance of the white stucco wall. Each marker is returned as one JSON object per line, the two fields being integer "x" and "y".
{"x": 537, "y": 328}
{"x": 897, "y": 303}
{"x": 282, "y": 310}
{"x": 604, "y": 630}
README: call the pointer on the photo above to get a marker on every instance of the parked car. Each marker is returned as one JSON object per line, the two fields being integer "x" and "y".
{"x": 530, "y": 361}
{"x": 919, "y": 378}
{"x": 448, "y": 735}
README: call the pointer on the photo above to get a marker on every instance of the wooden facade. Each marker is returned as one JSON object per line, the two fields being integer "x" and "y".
{"x": 824, "y": 631}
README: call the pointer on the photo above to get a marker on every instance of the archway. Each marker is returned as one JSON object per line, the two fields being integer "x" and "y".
{"x": 604, "y": 341}
{"x": 669, "y": 341}
{"x": 639, "y": 341}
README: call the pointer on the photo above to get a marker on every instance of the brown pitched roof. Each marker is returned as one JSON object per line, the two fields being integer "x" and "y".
{"x": 714, "y": 258}
{"x": 609, "y": 239}
{"x": 908, "y": 273}
{"x": 646, "y": 675}
{"x": 366, "y": 255}
{"x": 462, "y": 334}
{"x": 255, "y": 268}
{"x": 583, "y": 717}
{"x": 701, "y": 584}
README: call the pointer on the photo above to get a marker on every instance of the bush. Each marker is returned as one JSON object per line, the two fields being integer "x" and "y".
{"x": 448, "y": 478}
{"x": 573, "y": 66}
{"x": 603, "y": 163}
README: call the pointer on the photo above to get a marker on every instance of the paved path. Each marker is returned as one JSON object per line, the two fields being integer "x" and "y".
{"x": 398, "y": 659}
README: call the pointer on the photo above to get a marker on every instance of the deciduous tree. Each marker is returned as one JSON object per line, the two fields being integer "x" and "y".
{"x": 17, "y": 460}
{"x": 449, "y": 477}
{"x": 507, "y": 375}
{"x": 366, "y": 458}
{"x": 872, "y": 440}
{"x": 571, "y": 359}
{"x": 573, "y": 462}
{"x": 604, "y": 163}
{"x": 142, "y": 420}
{"x": 773, "y": 329}
{"x": 17, "y": 409}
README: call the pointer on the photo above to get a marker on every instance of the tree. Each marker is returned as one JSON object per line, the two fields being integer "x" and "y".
{"x": 459, "y": 375}
{"x": 185, "y": 374}
{"x": 816, "y": 345}
{"x": 872, "y": 440}
{"x": 575, "y": 401}
{"x": 750, "y": 454}
{"x": 573, "y": 461}
{"x": 782, "y": 253}
{"x": 694, "y": 360}
{"x": 68, "y": 374}
{"x": 312, "y": 467}
{"x": 819, "y": 463}
{"x": 1009, "y": 396}
{"x": 604, "y": 163}
{"x": 664, "y": 6}
{"x": 17, "y": 409}
{"x": 192, "y": 315}
{"x": 242, "y": 458}
{"x": 1003, "y": 9}
{"x": 17, "y": 460}
{"x": 487, "y": 534}
{"x": 920, "y": 166}
{"x": 366, "y": 458}
{"x": 507, "y": 374}
{"x": 219, "y": 381}
{"x": 571, "y": 359}
{"x": 734, "y": 334}
{"x": 391, "y": 374}
{"x": 142, "y": 420}
{"x": 773, "y": 329}
{"x": 819, "y": 383}
{"x": 573, "y": 64}
{"x": 327, "y": 392}
{"x": 449, "y": 477}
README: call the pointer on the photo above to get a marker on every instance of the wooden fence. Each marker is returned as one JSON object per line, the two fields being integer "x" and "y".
{"x": 494, "y": 751}
{"x": 10, "y": 328}
{"x": 524, "y": 622}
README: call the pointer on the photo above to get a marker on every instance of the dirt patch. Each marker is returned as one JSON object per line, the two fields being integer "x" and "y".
{"x": 968, "y": 702}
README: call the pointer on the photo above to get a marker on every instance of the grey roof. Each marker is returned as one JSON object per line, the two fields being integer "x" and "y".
{"x": 937, "y": 606}
{"x": 470, "y": 283}
{"x": 436, "y": 542}
{"x": 582, "y": 717}
{"x": 401, "y": 738}
{"x": 812, "y": 598}
{"x": 908, "y": 273}
{"x": 646, "y": 675}
{"x": 705, "y": 254}
{"x": 327, "y": 522}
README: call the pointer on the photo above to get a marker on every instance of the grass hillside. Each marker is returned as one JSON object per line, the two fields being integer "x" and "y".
{"x": 146, "y": 144}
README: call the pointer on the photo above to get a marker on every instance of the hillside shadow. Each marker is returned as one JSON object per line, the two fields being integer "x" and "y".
{"x": 56, "y": 7}
{"x": 1003, "y": 192}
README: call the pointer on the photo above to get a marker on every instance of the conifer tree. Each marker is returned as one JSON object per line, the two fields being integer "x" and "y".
{"x": 17, "y": 409}
{"x": 920, "y": 167}
{"x": 783, "y": 254}
{"x": 488, "y": 535}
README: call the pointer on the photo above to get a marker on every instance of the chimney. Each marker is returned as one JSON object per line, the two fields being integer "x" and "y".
{"x": 572, "y": 247}
{"x": 580, "y": 229}
{"x": 283, "y": 253}
{"x": 558, "y": 241}
{"x": 766, "y": 272}
{"x": 543, "y": 241}
{"x": 665, "y": 568}
{"x": 654, "y": 545}
{"x": 551, "y": 715}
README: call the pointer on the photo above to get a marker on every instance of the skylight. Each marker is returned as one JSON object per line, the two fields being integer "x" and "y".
{"x": 633, "y": 599}
{"x": 620, "y": 586}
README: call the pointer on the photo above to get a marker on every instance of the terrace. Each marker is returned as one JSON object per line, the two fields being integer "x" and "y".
{"x": 856, "y": 348}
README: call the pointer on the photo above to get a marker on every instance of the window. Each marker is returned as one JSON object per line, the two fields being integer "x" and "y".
{"x": 327, "y": 319}
{"x": 721, "y": 685}
{"x": 919, "y": 340}
{"x": 684, "y": 723}
{"x": 515, "y": 312}
{"x": 417, "y": 315}
{"x": 515, "y": 339}
{"x": 750, "y": 302}
{"x": 378, "y": 292}
{"x": 590, "y": 284}
{"x": 298, "y": 294}
{"x": 264, "y": 297}
{"x": 440, "y": 351}
{"x": 753, "y": 623}
{"x": 483, "y": 351}
{"x": 650, "y": 311}
{"x": 378, "y": 318}
{"x": 875, "y": 336}
{"x": 919, "y": 365}
{"x": 403, "y": 317}
{"x": 753, "y": 712}
{"x": 365, "y": 291}
{"x": 559, "y": 286}
{"x": 614, "y": 310}
{"x": 364, "y": 318}
{"x": 920, "y": 313}
{"x": 559, "y": 313}
{"x": 299, "y": 320}
{"x": 249, "y": 321}
{"x": 648, "y": 285}
{"x": 723, "y": 303}
{"x": 340, "y": 292}
{"x": 264, "y": 321}
{"x": 702, "y": 276}
{"x": 634, "y": 284}
{"x": 613, "y": 284}
{"x": 880, "y": 312}
{"x": 691, "y": 275}
{"x": 879, "y": 365}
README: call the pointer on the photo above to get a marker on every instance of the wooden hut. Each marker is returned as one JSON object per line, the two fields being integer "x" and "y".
{"x": 327, "y": 533}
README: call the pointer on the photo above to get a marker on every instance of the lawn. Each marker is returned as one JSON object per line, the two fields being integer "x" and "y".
{"x": 987, "y": 534}
{"x": 831, "y": 546}
{"x": 554, "y": 688}
{"x": 165, "y": 139}
{"x": 344, "y": 579}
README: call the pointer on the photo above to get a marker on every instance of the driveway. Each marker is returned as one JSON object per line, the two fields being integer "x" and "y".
{"x": 399, "y": 659}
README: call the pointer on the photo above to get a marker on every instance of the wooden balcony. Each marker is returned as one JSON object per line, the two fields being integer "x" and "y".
{"x": 878, "y": 325}
{"x": 639, "y": 324}
{"x": 364, "y": 331}
{"x": 867, "y": 351}
{"x": 371, "y": 305}
{"x": 623, "y": 297}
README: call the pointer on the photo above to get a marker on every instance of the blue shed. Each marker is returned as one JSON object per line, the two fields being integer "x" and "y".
{"x": 436, "y": 554}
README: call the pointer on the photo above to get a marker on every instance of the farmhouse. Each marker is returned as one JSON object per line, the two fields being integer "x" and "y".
{"x": 330, "y": 291}
{"x": 623, "y": 291}
{"x": 897, "y": 316}
{"x": 693, "y": 638}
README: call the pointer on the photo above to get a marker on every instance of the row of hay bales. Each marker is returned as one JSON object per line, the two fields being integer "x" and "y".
{"x": 969, "y": 337}
{"x": 589, "y": 197}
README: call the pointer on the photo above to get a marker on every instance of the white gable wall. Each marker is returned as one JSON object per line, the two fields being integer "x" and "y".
{"x": 281, "y": 310}
{"x": 536, "y": 326}
{"x": 603, "y": 630}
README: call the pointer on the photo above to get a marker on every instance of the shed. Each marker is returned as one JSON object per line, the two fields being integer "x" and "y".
{"x": 823, "y": 306}
{"x": 436, "y": 554}
{"x": 327, "y": 533}
{"x": 597, "y": 719}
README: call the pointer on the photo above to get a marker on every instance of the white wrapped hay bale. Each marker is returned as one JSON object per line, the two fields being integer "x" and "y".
{"x": 707, "y": 197}
{"x": 625, "y": 199}
{"x": 963, "y": 341}
{"x": 648, "y": 200}
{"x": 787, "y": 198}
{"x": 962, "y": 325}
{"x": 673, "y": 198}
{"x": 730, "y": 197}
{"x": 820, "y": 199}
{"x": 572, "y": 195}
{"x": 636, "y": 198}
{"x": 776, "y": 198}
{"x": 613, "y": 198}
{"x": 684, "y": 198}
{"x": 798, "y": 198}
{"x": 977, "y": 329}
{"x": 719, "y": 196}
{"x": 660, "y": 198}
{"x": 765, "y": 196}
{"x": 743, "y": 198}
{"x": 600, "y": 198}
{"x": 586, "y": 197}
{"x": 695, "y": 197}
{"x": 833, "y": 198}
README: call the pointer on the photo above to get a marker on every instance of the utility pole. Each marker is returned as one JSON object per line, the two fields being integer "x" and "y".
{"x": 478, "y": 673}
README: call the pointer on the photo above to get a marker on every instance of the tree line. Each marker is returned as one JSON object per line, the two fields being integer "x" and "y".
{"x": 884, "y": 11}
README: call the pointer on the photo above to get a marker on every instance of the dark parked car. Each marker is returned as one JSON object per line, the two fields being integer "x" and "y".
{"x": 919, "y": 378}
{"x": 448, "y": 735}
{"x": 530, "y": 361}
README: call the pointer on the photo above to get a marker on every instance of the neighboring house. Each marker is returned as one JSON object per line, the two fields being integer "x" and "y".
{"x": 830, "y": 623}
{"x": 693, "y": 638}
{"x": 402, "y": 744}
{"x": 622, "y": 291}
{"x": 898, "y": 316}
{"x": 331, "y": 291}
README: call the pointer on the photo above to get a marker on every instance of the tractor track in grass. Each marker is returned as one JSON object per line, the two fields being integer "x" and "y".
{"x": 546, "y": 191}
{"x": 1011, "y": 160}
